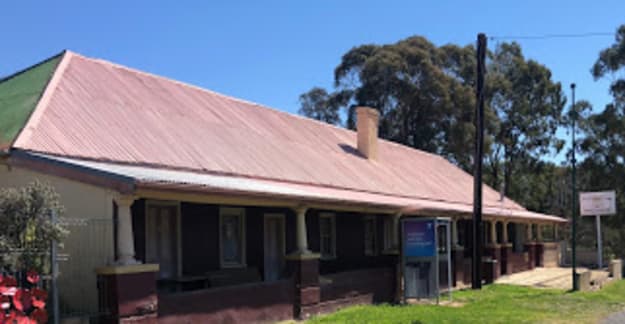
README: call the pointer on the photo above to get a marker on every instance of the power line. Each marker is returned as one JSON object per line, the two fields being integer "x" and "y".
{"x": 551, "y": 36}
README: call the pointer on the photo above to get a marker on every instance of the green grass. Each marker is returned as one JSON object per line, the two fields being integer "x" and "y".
{"x": 495, "y": 304}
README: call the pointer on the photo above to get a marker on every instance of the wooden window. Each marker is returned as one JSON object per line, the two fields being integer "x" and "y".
{"x": 327, "y": 236}
{"x": 461, "y": 231}
{"x": 274, "y": 237}
{"x": 232, "y": 237}
{"x": 371, "y": 247}
{"x": 163, "y": 237}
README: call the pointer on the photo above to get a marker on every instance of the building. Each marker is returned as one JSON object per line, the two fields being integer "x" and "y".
{"x": 195, "y": 206}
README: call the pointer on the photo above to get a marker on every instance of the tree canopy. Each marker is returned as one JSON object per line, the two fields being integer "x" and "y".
{"x": 602, "y": 145}
{"x": 423, "y": 92}
{"x": 611, "y": 62}
{"x": 425, "y": 96}
{"x": 528, "y": 109}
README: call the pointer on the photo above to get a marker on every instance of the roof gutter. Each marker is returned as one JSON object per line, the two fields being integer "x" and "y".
{"x": 498, "y": 212}
{"x": 120, "y": 183}
{"x": 242, "y": 195}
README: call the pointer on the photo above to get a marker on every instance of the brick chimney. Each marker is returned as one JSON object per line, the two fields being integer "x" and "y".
{"x": 367, "y": 126}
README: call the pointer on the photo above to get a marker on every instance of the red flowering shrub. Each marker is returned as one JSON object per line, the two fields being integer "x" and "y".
{"x": 20, "y": 305}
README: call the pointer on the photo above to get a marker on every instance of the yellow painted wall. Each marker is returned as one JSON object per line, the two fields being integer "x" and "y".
{"x": 88, "y": 246}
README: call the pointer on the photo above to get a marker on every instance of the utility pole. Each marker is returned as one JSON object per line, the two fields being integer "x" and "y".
{"x": 573, "y": 191}
{"x": 476, "y": 282}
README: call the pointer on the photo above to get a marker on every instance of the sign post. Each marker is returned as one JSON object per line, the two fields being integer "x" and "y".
{"x": 599, "y": 243}
{"x": 597, "y": 204}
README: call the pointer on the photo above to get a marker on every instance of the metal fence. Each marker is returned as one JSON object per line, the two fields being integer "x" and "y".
{"x": 66, "y": 270}
{"x": 88, "y": 246}
{"x": 585, "y": 256}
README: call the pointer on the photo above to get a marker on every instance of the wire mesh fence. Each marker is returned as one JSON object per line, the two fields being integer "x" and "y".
{"x": 88, "y": 246}
{"x": 65, "y": 270}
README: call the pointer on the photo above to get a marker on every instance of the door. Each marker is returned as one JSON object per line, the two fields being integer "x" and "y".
{"x": 274, "y": 246}
{"x": 162, "y": 238}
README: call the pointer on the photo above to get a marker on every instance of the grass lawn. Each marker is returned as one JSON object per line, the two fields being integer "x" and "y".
{"x": 495, "y": 304}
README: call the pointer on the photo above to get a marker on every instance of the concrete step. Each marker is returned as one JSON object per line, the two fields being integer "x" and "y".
{"x": 598, "y": 278}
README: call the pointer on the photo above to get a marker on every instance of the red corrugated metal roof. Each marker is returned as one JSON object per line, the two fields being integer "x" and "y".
{"x": 97, "y": 110}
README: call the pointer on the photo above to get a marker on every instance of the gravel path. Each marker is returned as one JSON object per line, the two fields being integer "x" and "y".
{"x": 616, "y": 318}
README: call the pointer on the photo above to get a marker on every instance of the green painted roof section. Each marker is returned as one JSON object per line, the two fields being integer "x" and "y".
{"x": 19, "y": 94}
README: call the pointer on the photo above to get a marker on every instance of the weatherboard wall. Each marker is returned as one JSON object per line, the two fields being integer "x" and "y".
{"x": 90, "y": 242}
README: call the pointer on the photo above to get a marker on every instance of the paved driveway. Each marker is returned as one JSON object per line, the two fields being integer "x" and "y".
{"x": 547, "y": 277}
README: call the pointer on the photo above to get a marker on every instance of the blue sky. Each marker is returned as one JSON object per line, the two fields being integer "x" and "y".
{"x": 272, "y": 51}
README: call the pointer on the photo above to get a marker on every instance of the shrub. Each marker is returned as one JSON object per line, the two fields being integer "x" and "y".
{"x": 26, "y": 226}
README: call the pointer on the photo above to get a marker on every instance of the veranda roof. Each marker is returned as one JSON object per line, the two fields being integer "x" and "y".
{"x": 133, "y": 177}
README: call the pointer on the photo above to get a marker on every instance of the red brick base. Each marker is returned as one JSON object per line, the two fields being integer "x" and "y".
{"x": 531, "y": 253}
{"x": 244, "y": 303}
{"x": 305, "y": 272}
{"x": 494, "y": 252}
{"x": 457, "y": 259}
{"x": 505, "y": 265}
{"x": 539, "y": 252}
{"x": 128, "y": 293}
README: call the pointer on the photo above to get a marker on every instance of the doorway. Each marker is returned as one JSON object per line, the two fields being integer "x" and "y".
{"x": 162, "y": 238}
{"x": 274, "y": 246}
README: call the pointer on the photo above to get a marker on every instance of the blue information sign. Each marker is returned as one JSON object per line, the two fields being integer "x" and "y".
{"x": 419, "y": 238}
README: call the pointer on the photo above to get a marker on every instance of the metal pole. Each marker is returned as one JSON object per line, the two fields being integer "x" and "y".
{"x": 449, "y": 283}
{"x": 54, "y": 267}
{"x": 573, "y": 193}
{"x": 599, "y": 244}
{"x": 402, "y": 270}
{"x": 476, "y": 282}
{"x": 437, "y": 263}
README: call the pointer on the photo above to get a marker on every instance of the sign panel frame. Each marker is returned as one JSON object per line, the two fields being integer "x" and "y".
{"x": 420, "y": 238}
{"x": 597, "y": 203}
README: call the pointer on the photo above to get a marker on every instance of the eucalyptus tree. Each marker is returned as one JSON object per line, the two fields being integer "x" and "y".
{"x": 528, "y": 106}
{"x": 423, "y": 93}
{"x": 426, "y": 99}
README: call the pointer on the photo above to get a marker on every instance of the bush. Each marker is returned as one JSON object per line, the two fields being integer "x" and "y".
{"x": 26, "y": 227}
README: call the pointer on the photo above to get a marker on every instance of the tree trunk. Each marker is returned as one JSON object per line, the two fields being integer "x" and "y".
{"x": 507, "y": 175}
